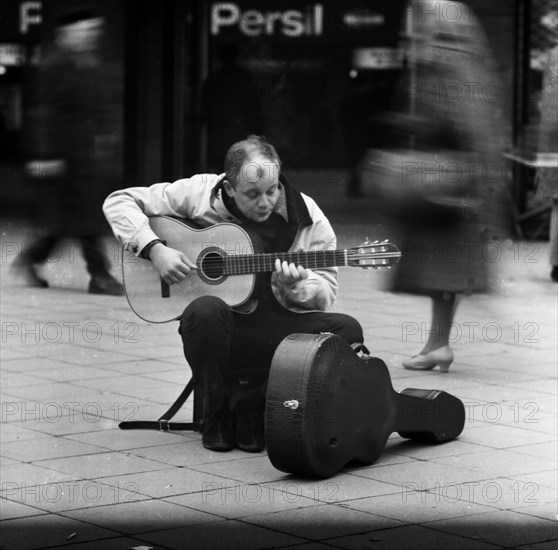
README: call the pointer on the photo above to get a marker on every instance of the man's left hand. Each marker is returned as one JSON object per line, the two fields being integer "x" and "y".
{"x": 289, "y": 273}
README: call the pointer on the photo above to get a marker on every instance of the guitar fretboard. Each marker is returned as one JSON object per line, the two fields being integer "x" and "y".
{"x": 259, "y": 263}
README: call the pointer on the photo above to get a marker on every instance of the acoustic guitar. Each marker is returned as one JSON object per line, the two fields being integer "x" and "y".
{"x": 326, "y": 407}
{"x": 227, "y": 266}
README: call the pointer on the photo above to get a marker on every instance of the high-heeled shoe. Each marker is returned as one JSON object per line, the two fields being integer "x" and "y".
{"x": 441, "y": 357}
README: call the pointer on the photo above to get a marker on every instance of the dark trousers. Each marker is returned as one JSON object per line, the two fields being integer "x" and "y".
{"x": 218, "y": 340}
{"x": 92, "y": 246}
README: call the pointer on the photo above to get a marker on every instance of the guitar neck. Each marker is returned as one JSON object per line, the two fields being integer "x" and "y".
{"x": 260, "y": 263}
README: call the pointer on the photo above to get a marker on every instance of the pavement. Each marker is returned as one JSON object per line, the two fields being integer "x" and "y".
{"x": 75, "y": 364}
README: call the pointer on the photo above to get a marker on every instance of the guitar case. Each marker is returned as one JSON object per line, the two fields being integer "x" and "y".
{"x": 326, "y": 407}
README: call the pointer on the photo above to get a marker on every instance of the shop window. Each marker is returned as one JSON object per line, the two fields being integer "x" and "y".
{"x": 311, "y": 79}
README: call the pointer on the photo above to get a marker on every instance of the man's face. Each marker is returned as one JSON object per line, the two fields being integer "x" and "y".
{"x": 257, "y": 189}
{"x": 81, "y": 36}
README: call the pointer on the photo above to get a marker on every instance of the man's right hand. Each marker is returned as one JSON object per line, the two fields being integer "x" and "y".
{"x": 171, "y": 264}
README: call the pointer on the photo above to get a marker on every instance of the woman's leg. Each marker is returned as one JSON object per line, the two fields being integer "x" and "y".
{"x": 443, "y": 311}
{"x": 436, "y": 350}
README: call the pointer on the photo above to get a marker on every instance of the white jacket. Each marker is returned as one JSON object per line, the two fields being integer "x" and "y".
{"x": 199, "y": 199}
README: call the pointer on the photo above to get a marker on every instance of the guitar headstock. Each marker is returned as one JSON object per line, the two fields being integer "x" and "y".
{"x": 376, "y": 255}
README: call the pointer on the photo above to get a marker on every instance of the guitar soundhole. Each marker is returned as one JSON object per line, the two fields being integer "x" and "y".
{"x": 212, "y": 265}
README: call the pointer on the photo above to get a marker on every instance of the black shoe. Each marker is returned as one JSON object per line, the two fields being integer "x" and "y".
{"x": 105, "y": 285}
{"x": 249, "y": 431}
{"x": 217, "y": 431}
{"x": 554, "y": 273}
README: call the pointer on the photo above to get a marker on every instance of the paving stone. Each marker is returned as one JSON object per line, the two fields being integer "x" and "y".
{"x": 256, "y": 469}
{"x": 411, "y": 505}
{"x": 58, "y": 421}
{"x": 322, "y": 522}
{"x": 10, "y": 509}
{"x": 546, "y": 511}
{"x": 34, "y": 450}
{"x": 545, "y": 479}
{"x": 49, "y": 530}
{"x": 66, "y": 373}
{"x": 113, "y": 543}
{"x": 499, "y": 463}
{"x": 20, "y": 476}
{"x": 138, "y": 442}
{"x": 409, "y": 538}
{"x": 102, "y": 465}
{"x": 424, "y": 474}
{"x": 186, "y": 453}
{"x": 224, "y": 535}
{"x": 61, "y": 496}
{"x": 142, "y": 516}
{"x": 501, "y": 527}
{"x": 171, "y": 482}
{"x": 243, "y": 500}
{"x": 16, "y": 432}
{"x": 341, "y": 488}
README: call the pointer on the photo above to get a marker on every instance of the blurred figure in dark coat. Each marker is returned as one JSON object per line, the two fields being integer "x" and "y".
{"x": 445, "y": 183}
{"x": 74, "y": 141}
{"x": 547, "y": 175}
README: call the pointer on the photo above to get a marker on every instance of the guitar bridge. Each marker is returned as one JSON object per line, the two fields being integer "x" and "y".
{"x": 165, "y": 289}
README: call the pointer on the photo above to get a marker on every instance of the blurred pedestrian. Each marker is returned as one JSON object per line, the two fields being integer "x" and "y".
{"x": 442, "y": 181}
{"x": 547, "y": 175}
{"x": 74, "y": 143}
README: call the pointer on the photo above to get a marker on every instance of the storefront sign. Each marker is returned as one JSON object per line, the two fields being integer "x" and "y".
{"x": 252, "y": 22}
{"x": 341, "y": 21}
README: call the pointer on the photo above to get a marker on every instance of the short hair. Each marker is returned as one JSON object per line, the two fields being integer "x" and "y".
{"x": 242, "y": 151}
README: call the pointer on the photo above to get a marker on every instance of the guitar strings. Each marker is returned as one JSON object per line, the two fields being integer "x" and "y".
{"x": 313, "y": 259}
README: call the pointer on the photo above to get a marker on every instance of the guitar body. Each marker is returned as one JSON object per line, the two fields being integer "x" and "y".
{"x": 155, "y": 301}
{"x": 326, "y": 407}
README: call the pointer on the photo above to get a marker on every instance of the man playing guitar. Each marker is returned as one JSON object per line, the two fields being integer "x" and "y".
{"x": 219, "y": 339}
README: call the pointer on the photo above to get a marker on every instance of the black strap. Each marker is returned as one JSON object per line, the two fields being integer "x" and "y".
{"x": 163, "y": 423}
